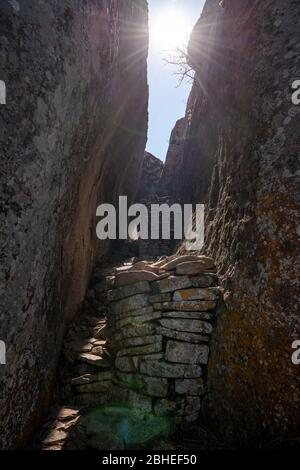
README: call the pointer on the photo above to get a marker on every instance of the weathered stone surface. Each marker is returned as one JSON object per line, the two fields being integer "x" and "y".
{"x": 131, "y": 277}
{"x": 128, "y": 291}
{"x": 118, "y": 394}
{"x": 93, "y": 360}
{"x": 126, "y": 305}
{"x": 140, "y": 402}
{"x": 191, "y": 372}
{"x": 189, "y": 337}
{"x": 189, "y": 315}
{"x": 168, "y": 407}
{"x": 193, "y": 268}
{"x": 186, "y": 305}
{"x": 171, "y": 177}
{"x": 144, "y": 266}
{"x": 139, "y": 319}
{"x": 170, "y": 265}
{"x": 195, "y": 294}
{"x": 189, "y": 387}
{"x": 206, "y": 280}
{"x": 134, "y": 313}
{"x": 98, "y": 350}
{"x": 138, "y": 341}
{"x": 65, "y": 413}
{"x": 125, "y": 364}
{"x": 160, "y": 298}
{"x": 65, "y": 159}
{"x": 192, "y": 326}
{"x": 155, "y": 347}
{"x": 192, "y": 405}
{"x": 162, "y": 369}
{"x": 171, "y": 284}
{"x": 130, "y": 381}
{"x": 89, "y": 378}
{"x": 186, "y": 353}
{"x": 140, "y": 330}
{"x": 55, "y": 437}
{"x": 155, "y": 387}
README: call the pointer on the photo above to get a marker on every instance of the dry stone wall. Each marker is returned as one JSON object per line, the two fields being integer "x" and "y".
{"x": 160, "y": 322}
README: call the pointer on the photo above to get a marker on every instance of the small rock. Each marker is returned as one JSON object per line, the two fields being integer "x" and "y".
{"x": 171, "y": 284}
{"x": 89, "y": 378}
{"x": 135, "y": 331}
{"x": 170, "y": 265}
{"x": 140, "y": 402}
{"x": 160, "y": 298}
{"x": 93, "y": 360}
{"x": 144, "y": 266}
{"x": 128, "y": 291}
{"x": 195, "y": 294}
{"x": 133, "y": 277}
{"x": 167, "y": 407}
{"x": 138, "y": 341}
{"x": 188, "y": 337}
{"x": 189, "y": 315}
{"x": 139, "y": 320}
{"x": 138, "y": 350}
{"x": 185, "y": 353}
{"x": 155, "y": 387}
{"x": 195, "y": 267}
{"x": 162, "y": 369}
{"x": 131, "y": 303}
{"x": 189, "y": 387}
{"x": 125, "y": 364}
{"x": 192, "y": 326}
{"x": 206, "y": 280}
{"x": 98, "y": 350}
{"x": 187, "y": 305}
{"x": 95, "y": 387}
{"x": 192, "y": 405}
{"x": 55, "y": 437}
{"x": 135, "y": 313}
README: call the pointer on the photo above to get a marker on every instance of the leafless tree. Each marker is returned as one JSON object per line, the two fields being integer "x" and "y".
{"x": 180, "y": 59}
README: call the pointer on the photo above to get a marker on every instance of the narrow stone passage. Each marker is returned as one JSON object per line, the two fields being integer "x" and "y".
{"x": 136, "y": 358}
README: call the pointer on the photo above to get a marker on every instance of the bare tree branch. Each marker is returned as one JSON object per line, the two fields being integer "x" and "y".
{"x": 180, "y": 59}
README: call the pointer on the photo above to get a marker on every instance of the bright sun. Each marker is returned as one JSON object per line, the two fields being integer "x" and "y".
{"x": 170, "y": 29}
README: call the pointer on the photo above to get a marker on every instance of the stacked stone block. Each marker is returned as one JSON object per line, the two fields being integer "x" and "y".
{"x": 159, "y": 333}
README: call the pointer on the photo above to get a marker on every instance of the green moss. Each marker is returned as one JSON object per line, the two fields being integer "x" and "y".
{"x": 115, "y": 427}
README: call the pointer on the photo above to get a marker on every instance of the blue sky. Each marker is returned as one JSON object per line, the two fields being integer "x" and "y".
{"x": 167, "y": 102}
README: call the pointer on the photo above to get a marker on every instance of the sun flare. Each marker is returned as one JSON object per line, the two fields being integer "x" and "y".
{"x": 171, "y": 29}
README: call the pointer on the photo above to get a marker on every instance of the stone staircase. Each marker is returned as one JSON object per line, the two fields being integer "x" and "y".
{"x": 141, "y": 342}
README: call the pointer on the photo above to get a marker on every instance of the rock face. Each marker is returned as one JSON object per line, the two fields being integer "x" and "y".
{"x": 72, "y": 136}
{"x": 171, "y": 178}
{"x": 152, "y": 190}
{"x": 240, "y": 159}
{"x": 150, "y": 177}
